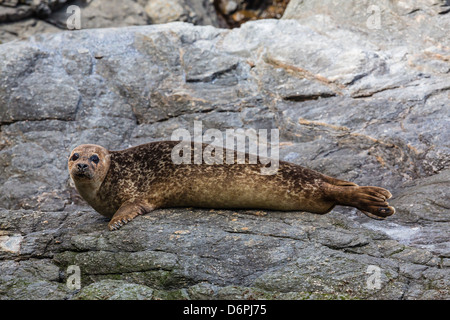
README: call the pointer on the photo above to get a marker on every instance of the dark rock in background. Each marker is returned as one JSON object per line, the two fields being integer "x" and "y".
{"x": 233, "y": 13}
{"x": 21, "y": 19}
{"x": 350, "y": 100}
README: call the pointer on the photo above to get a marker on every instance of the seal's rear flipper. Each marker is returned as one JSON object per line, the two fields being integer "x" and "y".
{"x": 370, "y": 200}
{"x": 370, "y": 215}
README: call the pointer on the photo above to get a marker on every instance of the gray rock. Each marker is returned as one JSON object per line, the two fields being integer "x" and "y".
{"x": 114, "y": 290}
{"x": 216, "y": 255}
{"x": 31, "y": 279}
{"x": 102, "y": 14}
{"x": 350, "y": 105}
{"x": 199, "y": 12}
{"x": 24, "y": 29}
{"x": 20, "y": 21}
{"x": 167, "y": 11}
{"x": 14, "y": 10}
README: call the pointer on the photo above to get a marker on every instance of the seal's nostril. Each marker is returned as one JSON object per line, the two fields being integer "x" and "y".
{"x": 82, "y": 166}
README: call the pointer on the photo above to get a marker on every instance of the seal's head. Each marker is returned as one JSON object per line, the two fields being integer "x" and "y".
{"x": 88, "y": 165}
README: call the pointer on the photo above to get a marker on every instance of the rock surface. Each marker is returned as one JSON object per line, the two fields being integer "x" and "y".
{"x": 348, "y": 102}
{"x": 21, "y": 19}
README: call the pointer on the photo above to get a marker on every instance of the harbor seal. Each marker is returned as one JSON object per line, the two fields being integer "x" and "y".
{"x": 123, "y": 184}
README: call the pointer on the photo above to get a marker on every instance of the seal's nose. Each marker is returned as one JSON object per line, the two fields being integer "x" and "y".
{"x": 82, "y": 166}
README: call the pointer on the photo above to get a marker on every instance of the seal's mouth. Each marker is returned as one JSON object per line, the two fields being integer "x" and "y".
{"x": 81, "y": 173}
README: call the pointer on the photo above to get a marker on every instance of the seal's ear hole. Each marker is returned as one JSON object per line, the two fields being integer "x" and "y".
{"x": 75, "y": 157}
{"x": 94, "y": 158}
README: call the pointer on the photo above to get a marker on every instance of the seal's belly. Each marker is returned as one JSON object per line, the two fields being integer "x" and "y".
{"x": 247, "y": 192}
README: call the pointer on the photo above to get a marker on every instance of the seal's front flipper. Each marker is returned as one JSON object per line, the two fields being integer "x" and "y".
{"x": 127, "y": 212}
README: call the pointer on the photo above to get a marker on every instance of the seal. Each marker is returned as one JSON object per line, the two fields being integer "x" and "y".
{"x": 124, "y": 184}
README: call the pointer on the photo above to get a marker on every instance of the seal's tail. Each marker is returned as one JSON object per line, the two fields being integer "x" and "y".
{"x": 370, "y": 200}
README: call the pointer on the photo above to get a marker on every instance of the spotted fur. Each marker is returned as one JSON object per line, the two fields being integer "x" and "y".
{"x": 140, "y": 179}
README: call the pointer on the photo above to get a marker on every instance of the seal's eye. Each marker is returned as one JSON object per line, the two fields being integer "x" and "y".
{"x": 94, "y": 158}
{"x": 75, "y": 157}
